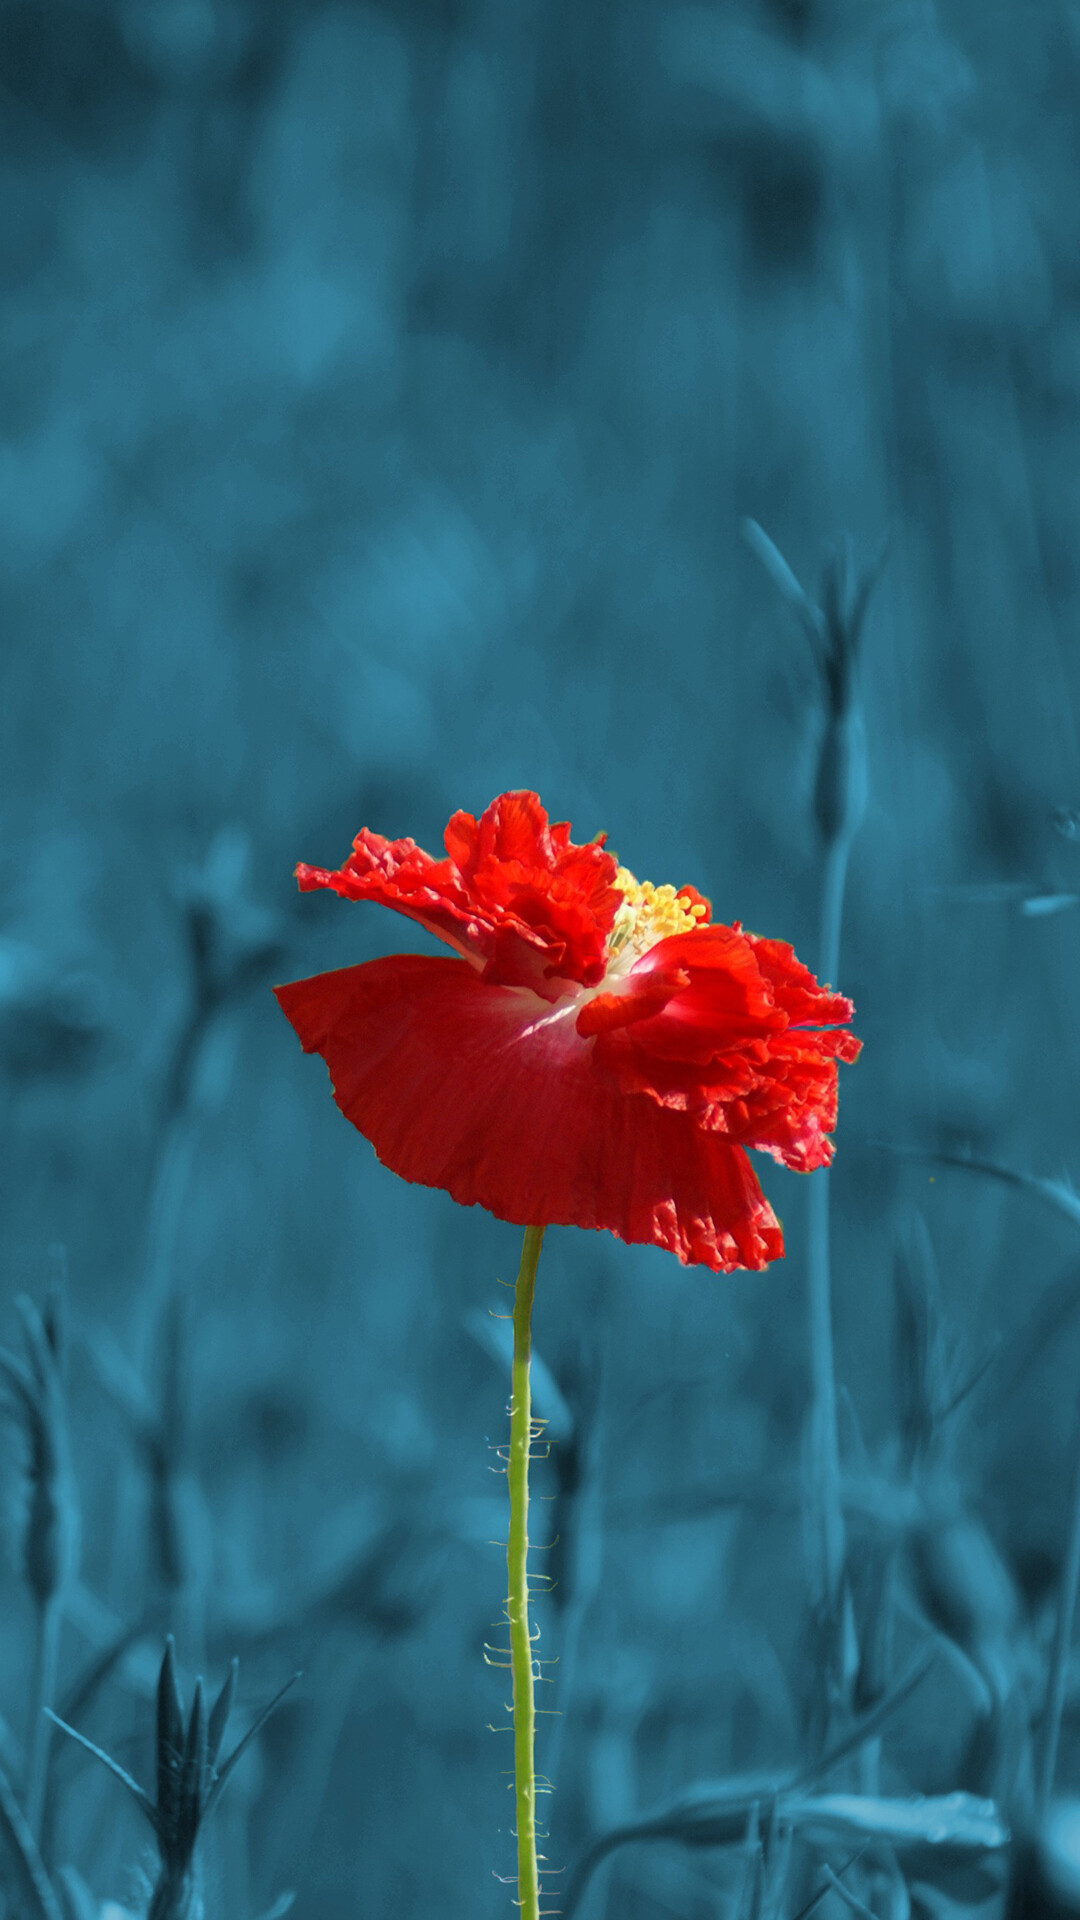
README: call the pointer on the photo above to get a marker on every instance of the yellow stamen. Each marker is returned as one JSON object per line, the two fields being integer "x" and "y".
{"x": 650, "y": 913}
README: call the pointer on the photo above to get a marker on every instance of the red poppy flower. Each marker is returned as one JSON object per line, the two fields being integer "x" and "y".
{"x": 599, "y": 1054}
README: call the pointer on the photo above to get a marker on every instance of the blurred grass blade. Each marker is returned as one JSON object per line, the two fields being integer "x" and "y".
{"x": 974, "y": 1380}
{"x": 21, "y": 1379}
{"x": 816, "y": 1899}
{"x": 753, "y": 1882}
{"x": 143, "y": 1800}
{"x": 871, "y": 1723}
{"x": 238, "y": 1751}
{"x": 865, "y": 585}
{"x": 849, "y": 1899}
{"x": 30, "y": 1881}
{"x": 1058, "y": 1194}
{"x": 219, "y": 1715}
{"x": 784, "y": 581}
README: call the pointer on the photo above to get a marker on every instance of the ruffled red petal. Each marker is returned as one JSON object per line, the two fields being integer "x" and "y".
{"x": 488, "y": 1092}
{"x": 514, "y": 895}
{"x": 742, "y": 1048}
{"x": 794, "y": 987}
{"x": 644, "y": 997}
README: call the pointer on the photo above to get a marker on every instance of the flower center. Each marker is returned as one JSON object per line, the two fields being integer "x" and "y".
{"x": 649, "y": 914}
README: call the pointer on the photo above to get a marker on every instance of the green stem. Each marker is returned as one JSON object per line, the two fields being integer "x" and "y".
{"x": 517, "y": 1567}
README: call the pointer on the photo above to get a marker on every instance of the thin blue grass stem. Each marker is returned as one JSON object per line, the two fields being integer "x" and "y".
{"x": 174, "y": 1162}
{"x": 28, "y": 1880}
{"x": 169, "y": 1191}
{"x": 832, "y": 906}
{"x": 825, "y": 1455}
{"x": 1050, "y": 1728}
{"x": 517, "y": 1567}
{"x": 171, "y": 1184}
{"x": 42, "y": 1697}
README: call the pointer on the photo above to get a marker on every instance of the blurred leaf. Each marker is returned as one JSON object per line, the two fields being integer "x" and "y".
{"x": 950, "y": 1827}
{"x": 1040, "y": 905}
{"x": 952, "y": 1824}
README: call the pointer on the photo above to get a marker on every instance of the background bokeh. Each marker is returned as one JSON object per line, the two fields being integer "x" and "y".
{"x": 383, "y": 390}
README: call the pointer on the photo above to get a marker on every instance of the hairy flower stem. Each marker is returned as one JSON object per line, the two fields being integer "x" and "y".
{"x": 825, "y": 1456}
{"x": 1049, "y": 1731}
{"x": 517, "y": 1603}
{"x": 43, "y": 1689}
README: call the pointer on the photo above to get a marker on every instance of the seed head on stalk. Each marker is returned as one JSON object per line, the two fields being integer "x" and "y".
{"x": 189, "y": 1781}
{"x": 834, "y": 626}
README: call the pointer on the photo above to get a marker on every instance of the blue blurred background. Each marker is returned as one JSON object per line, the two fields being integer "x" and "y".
{"x": 383, "y": 393}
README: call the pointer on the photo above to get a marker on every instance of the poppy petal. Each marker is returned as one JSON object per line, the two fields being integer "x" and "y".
{"x": 490, "y": 1093}
{"x": 515, "y": 895}
{"x": 740, "y": 1046}
{"x": 640, "y": 999}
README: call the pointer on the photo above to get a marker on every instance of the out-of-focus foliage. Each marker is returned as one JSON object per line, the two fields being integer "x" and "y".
{"x": 384, "y": 388}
